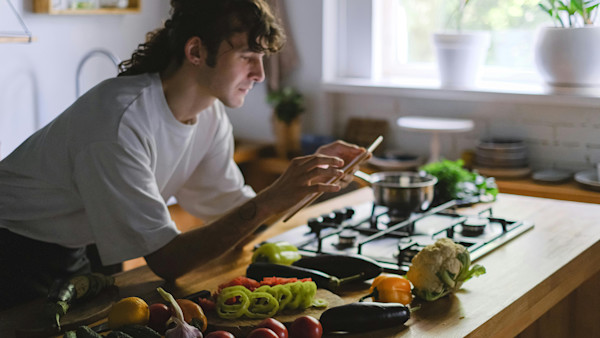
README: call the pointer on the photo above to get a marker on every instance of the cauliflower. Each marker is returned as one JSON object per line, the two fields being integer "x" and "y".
{"x": 441, "y": 268}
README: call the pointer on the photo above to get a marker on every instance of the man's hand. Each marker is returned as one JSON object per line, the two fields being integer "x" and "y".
{"x": 309, "y": 174}
{"x": 347, "y": 152}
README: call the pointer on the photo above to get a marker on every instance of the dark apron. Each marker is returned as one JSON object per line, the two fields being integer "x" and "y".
{"x": 28, "y": 267}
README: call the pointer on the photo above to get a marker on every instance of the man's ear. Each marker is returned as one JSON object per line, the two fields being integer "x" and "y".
{"x": 195, "y": 52}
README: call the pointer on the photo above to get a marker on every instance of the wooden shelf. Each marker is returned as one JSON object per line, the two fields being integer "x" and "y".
{"x": 16, "y": 39}
{"x": 45, "y": 7}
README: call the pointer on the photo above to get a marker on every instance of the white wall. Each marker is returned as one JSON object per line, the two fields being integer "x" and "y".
{"x": 37, "y": 80}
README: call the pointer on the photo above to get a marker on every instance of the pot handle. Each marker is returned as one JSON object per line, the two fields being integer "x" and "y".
{"x": 363, "y": 176}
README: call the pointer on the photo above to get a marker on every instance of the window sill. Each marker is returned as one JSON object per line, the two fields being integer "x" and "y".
{"x": 485, "y": 91}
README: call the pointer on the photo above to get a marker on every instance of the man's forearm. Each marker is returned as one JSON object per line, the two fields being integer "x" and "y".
{"x": 201, "y": 245}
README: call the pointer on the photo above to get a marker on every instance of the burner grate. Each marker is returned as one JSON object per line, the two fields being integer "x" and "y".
{"x": 368, "y": 230}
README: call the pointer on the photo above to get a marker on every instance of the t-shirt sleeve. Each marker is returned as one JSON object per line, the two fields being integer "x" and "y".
{"x": 126, "y": 212}
{"x": 217, "y": 184}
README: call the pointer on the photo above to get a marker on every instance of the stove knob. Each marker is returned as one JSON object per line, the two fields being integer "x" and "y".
{"x": 329, "y": 218}
{"x": 340, "y": 216}
{"x": 349, "y": 212}
{"x": 315, "y": 224}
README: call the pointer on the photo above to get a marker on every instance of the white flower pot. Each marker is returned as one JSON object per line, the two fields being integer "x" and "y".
{"x": 460, "y": 56}
{"x": 569, "y": 57}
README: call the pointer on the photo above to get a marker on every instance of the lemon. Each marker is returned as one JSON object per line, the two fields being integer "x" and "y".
{"x": 130, "y": 310}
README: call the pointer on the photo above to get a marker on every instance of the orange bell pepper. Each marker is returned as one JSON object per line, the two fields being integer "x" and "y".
{"x": 390, "y": 289}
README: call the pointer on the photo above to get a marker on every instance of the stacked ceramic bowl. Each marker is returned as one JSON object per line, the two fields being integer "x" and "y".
{"x": 499, "y": 157}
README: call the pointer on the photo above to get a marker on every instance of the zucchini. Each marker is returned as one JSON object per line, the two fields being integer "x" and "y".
{"x": 260, "y": 270}
{"x": 63, "y": 294}
{"x": 70, "y": 334}
{"x": 118, "y": 334}
{"x": 363, "y": 317}
{"x": 342, "y": 266}
{"x": 86, "y": 332}
{"x": 139, "y": 331}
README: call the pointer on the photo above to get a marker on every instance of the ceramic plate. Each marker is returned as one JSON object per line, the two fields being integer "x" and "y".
{"x": 589, "y": 179}
{"x": 551, "y": 176}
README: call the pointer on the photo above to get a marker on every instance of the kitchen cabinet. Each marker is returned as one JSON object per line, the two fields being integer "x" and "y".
{"x": 549, "y": 273}
{"x": 45, "y": 6}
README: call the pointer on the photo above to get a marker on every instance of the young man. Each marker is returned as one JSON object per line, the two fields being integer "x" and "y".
{"x": 100, "y": 173}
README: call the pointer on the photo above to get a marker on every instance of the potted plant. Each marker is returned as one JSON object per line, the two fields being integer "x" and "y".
{"x": 567, "y": 54}
{"x": 460, "y": 54}
{"x": 288, "y": 104}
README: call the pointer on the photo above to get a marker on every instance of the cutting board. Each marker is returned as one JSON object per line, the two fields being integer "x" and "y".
{"x": 242, "y": 326}
{"x": 79, "y": 314}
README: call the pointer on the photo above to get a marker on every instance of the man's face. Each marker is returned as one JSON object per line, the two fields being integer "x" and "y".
{"x": 236, "y": 71}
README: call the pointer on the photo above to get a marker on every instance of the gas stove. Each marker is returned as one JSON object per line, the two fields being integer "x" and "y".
{"x": 393, "y": 240}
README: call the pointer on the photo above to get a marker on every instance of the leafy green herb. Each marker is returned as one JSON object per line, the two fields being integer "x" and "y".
{"x": 456, "y": 182}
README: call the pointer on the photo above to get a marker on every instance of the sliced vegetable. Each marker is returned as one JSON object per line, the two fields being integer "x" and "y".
{"x": 276, "y": 253}
{"x": 78, "y": 288}
{"x": 390, "y": 289}
{"x": 266, "y": 301}
{"x": 249, "y": 283}
{"x": 364, "y": 317}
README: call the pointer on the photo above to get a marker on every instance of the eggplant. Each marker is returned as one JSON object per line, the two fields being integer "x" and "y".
{"x": 364, "y": 317}
{"x": 342, "y": 266}
{"x": 260, "y": 270}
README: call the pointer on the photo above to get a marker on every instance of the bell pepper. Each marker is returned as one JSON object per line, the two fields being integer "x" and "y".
{"x": 390, "y": 289}
{"x": 282, "y": 253}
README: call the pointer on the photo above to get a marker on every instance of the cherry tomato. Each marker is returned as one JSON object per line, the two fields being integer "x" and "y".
{"x": 219, "y": 334}
{"x": 262, "y": 332}
{"x": 159, "y": 314}
{"x": 306, "y": 327}
{"x": 275, "y": 326}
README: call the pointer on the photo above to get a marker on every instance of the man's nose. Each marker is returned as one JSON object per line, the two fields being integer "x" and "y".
{"x": 258, "y": 72}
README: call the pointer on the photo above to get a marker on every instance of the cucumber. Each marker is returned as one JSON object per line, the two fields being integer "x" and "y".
{"x": 139, "y": 331}
{"x": 63, "y": 294}
{"x": 70, "y": 334}
{"x": 86, "y": 332}
{"x": 118, "y": 334}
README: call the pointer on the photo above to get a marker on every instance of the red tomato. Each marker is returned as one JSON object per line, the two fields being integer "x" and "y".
{"x": 219, "y": 334}
{"x": 159, "y": 314}
{"x": 262, "y": 332}
{"x": 306, "y": 327}
{"x": 275, "y": 326}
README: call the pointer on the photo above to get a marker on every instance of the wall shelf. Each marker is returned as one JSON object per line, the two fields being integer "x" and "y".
{"x": 16, "y": 39}
{"x": 45, "y": 7}
{"x": 23, "y": 36}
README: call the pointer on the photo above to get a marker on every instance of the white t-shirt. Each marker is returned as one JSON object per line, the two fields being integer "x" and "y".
{"x": 102, "y": 171}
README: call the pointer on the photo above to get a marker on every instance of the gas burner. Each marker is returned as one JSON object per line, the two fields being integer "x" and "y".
{"x": 347, "y": 238}
{"x": 393, "y": 239}
{"x": 474, "y": 226}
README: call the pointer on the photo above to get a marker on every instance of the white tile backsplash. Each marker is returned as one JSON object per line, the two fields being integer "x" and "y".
{"x": 557, "y": 136}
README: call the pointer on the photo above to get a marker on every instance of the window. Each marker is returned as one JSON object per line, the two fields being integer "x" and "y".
{"x": 401, "y": 33}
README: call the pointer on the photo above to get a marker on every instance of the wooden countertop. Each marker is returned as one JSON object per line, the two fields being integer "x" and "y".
{"x": 525, "y": 277}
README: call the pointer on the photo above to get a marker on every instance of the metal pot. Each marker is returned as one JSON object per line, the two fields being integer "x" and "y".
{"x": 402, "y": 191}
